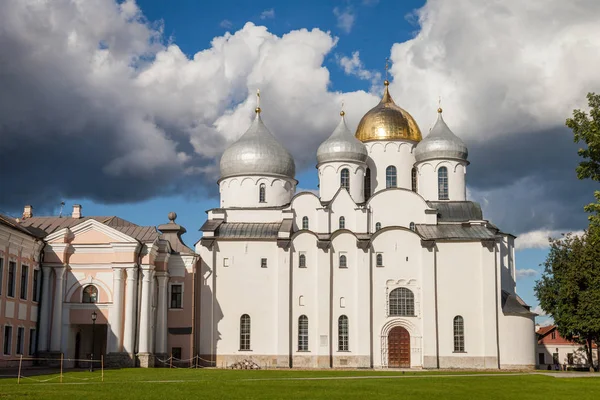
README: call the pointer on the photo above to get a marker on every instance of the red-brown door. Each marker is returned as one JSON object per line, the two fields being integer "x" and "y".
{"x": 399, "y": 348}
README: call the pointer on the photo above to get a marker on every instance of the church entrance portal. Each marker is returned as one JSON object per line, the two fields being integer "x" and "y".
{"x": 398, "y": 348}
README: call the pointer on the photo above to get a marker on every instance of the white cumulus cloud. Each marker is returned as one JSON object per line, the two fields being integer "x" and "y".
{"x": 538, "y": 239}
{"x": 355, "y": 67}
{"x": 345, "y": 18}
{"x": 526, "y": 273}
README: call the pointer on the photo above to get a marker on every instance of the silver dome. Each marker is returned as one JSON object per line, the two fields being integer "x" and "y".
{"x": 257, "y": 152}
{"x": 441, "y": 143}
{"x": 342, "y": 145}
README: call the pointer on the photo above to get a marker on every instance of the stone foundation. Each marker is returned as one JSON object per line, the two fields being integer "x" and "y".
{"x": 349, "y": 361}
{"x": 264, "y": 361}
{"x": 119, "y": 360}
{"x": 52, "y": 358}
{"x": 145, "y": 360}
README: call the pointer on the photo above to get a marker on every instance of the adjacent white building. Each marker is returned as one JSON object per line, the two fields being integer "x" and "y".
{"x": 390, "y": 266}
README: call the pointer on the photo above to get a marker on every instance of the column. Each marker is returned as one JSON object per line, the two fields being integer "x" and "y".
{"x": 116, "y": 312}
{"x": 46, "y": 301}
{"x": 55, "y": 337}
{"x": 161, "y": 318}
{"x": 130, "y": 307}
{"x": 146, "y": 305}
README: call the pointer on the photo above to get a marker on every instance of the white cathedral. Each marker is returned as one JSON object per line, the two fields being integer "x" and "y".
{"x": 390, "y": 266}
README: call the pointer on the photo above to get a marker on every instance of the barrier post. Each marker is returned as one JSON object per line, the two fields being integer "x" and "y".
{"x": 171, "y": 361}
{"x": 61, "y": 367}
{"x": 19, "y": 375}
{"x": 197, "y": 357}
{"x": 102, "y": 366}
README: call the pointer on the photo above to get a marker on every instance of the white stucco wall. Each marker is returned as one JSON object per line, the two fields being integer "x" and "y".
{"x": 427, "y": 179}
{"x": 330, "y": 180}
{"x": 382, "y": 154}
{"x": 243, "y": 191}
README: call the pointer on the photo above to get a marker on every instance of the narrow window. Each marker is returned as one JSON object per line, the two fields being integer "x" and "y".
{"x": 1, "y": 273}
{"x": 343, "y": 261}
{"x": 303, "y": 333}
{"x": 413, "y": 174}
{"x": 36, "y": 285}
{"x": 7, "y": 339}
{"x": 553, "y": 335}
{"x": 342, "y": 302}
{"x": 302, "y": 261}
{"x": 301, "y": 301}
{"x": 367, "y": 182}
{"x": 226, "y": 262}
{"x": 24, "y": 281}
{"x": 377, "y": 226}
{"x": 412, "y": 226}
{"x": 402, "y": 303}
{"x": 390, "y": 177}
{"x": 245, "y": 332}
{"x": 10, "y": 290}
{"x": 459, "y": 334}
{"x": 263, "y": 263}
{"x": 176, "y": 353}
{"x": 262, "y": 196}
{"x": 90, "y": 294}
{"x": 176, "y": 296}
{"x": 304, "y": 222}
{"x": 379, "y": 260}
{"x": 32, "y": 341}
{"x": 345, "y": 179}
{"x": 541, "y": 358}
{"x": 343, "y": 333}
{"x": 342, "y": 223}
{"x": 443, "y": 183}
{"x": 20, "y": 338}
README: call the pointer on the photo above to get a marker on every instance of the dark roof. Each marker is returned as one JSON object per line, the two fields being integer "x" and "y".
{"x": 544, "y": 330}
{"x": 456, "y": 211}
{"x": 44, "y": 226}
{"x": 513, "y": 304}
{"x": 455, "y": 232}
{"x": 172, "y": 233}
{"x": 11, "y": 222}
{"x": 248, "y": 230}
{"x": 211, "y": 225}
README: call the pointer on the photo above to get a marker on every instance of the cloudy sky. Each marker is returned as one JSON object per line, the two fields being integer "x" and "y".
{"x": 126, "y": 106}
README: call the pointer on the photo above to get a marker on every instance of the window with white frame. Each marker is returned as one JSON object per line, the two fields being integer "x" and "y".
{"x": 377, "y": 226}
{"x": 263, "y": 263}
{"x": 391, "y": 180}
{"x": 10, "y": 284}
{"x": 459, "y": 334}
{"x": 245, "y": 332}
{"x": 262, "y": 193}
{"x": 342, "y": 223}
{"x": 345, "y": 179}
{"x": 7, "y": 339}
{"x": 303, "y": 333}
{"x": 343, "y": 261}
{"x": 402, "y": 303}
{"x": 343, "y": 334}
{"x": 443, "y": 183}
{"x": 20, "y": 340}
{"x": 176, "y": 296}
{"x": 304, "y": 222}
{"x": 302, "y": 260}
{"x": 379, "y": 260}
{"x": 24, "y": 281}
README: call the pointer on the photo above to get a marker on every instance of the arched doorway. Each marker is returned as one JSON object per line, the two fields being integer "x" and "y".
{"x": 398, "y": 348}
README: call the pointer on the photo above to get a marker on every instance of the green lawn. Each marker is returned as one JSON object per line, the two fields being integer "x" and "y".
{"x": 284, "y": 384}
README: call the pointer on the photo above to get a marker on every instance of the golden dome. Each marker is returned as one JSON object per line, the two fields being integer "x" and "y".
{"x": 387, "y": 121}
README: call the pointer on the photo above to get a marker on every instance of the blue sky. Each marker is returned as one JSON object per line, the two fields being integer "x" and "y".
{"x": 125, "y": 106}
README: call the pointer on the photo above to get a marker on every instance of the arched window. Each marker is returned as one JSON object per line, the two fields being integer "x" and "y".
{"x": 262, "y": 196}
{"x": 377, "y": 226}
{"x": 459, "y": 334}
{"x": 90, "y": 294}
{"x": 245, "y": 332}
{"x": 414, "y": 179}
{"x": 390, "y": 177}
{"x": 402, "y": 303}
{"x": 302, "y": 261}
{"x": 379, "y": 260}
{"x": 304, "y": 222}
{"x": 345, "y": 179}
{"x": 343, "y": 261}
{"x": 342, "y": 224}
{"x": 343, "y": 333}
{"x": 303, "y": 333}
{"x": 443, "y": 183}
{"x": 367, "y": 181}
{"x": 412, "y": 226}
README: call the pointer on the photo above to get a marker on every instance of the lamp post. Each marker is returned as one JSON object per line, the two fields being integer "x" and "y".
{"x": 94, "y": 316}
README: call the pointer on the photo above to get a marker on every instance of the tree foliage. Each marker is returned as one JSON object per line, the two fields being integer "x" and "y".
{"x": 586, "y": 129}
{"x": 569, "y": 288}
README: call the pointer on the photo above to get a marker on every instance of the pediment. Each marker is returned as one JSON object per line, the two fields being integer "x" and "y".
{"x": 90, "y": 232}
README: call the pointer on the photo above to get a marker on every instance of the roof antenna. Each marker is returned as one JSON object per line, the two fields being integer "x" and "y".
{"x": 257, "y": 109}
{"x": 62, "y": 204}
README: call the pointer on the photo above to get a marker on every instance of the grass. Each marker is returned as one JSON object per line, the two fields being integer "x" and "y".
{"x": 285, "y": 384}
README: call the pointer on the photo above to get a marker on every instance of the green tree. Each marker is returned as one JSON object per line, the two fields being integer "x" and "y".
{"x": 586, "y": 129}
{"x": 569, "y": 288}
